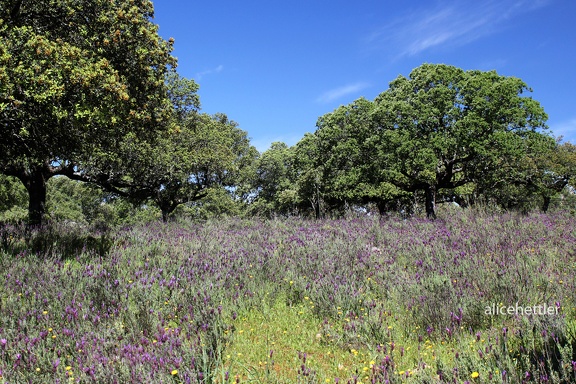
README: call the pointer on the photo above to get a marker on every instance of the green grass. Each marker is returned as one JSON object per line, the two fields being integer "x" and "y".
{"x": 269, "y": 344}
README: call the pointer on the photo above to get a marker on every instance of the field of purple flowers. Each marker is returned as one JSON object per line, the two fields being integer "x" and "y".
{"x": 163, "y": 303}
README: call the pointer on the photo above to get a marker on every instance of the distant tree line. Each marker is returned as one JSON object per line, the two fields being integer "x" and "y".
{"x": 98, "y": 127}
{"x": 441, "y": 135}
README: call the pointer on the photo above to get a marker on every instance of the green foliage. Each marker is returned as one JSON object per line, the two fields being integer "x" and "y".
{"x": 217, "y": 203}
{"x": 445, "y": 127}
{"x": 345, "y": 150}
{"x": 88, "y": 207}
{"x": 89, "y": 90}
{"x": 198, "y": 152}
{"x": 273, "y": 182}
{"x": 309, "y": 181}
{"x": 438, "y": 131}
{"x": 70, "y": 200}
{"x": 541, "y": 169}
{"x": 12, "y": 200}
{"x": 76, "y": 77}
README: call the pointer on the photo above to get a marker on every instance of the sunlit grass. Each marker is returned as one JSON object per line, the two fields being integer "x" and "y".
{"x": 270, "y": 343}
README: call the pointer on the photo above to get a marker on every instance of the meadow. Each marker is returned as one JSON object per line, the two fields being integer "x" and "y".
{"x": 356, "y": 300}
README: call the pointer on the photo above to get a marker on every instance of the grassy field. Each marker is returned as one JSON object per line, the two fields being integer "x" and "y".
{"x": 361, "y": 300}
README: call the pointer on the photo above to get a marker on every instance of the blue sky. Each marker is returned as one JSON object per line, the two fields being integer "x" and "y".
{"x": 276, "y": 66}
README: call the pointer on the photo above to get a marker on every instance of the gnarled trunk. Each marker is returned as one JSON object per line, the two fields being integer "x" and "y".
{"x": 36, "y": 199}
{"x": 34, "y": 179}
{"x": 430, "y": 191}
{"x": 546, "y": 203}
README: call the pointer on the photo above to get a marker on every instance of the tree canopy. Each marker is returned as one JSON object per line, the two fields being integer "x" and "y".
{"x": 439, "y": 129}
{"x": 443, "y": 127}
{"x": 197, "y": 153}
{"x": 76, "y": 77}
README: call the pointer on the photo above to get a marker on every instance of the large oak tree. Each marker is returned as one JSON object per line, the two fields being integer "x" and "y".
{"x": 76, "y": 77}
{"x": 438, "y": 129}
{"x": 443, "y": 127}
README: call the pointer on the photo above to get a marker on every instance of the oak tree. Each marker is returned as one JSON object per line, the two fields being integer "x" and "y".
{"x": 443, "y": 127}
{"x": 76, "y": 77}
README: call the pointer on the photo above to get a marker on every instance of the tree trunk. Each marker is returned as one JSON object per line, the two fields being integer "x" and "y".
{"x": 315, "y": 203}
{"x": 35, "y": 183}
{"x": 546, "y": 203}
{"x": 430, "y": 191}
{"x": 315, "y": 207}
{"x": 381, "y": 205}
{"x": 166, "y": 207}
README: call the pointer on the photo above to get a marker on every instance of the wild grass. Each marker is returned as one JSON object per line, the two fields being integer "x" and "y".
{"x": 292, "y": 301}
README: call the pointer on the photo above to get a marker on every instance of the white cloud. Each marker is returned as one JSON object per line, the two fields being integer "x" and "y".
{"x": 453, "y": 23}
{"x": 211, "y": 71}
{"x": 264, "y": 143}
{"x": 566, "y": 129}
{"x": 340, "y": 92}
